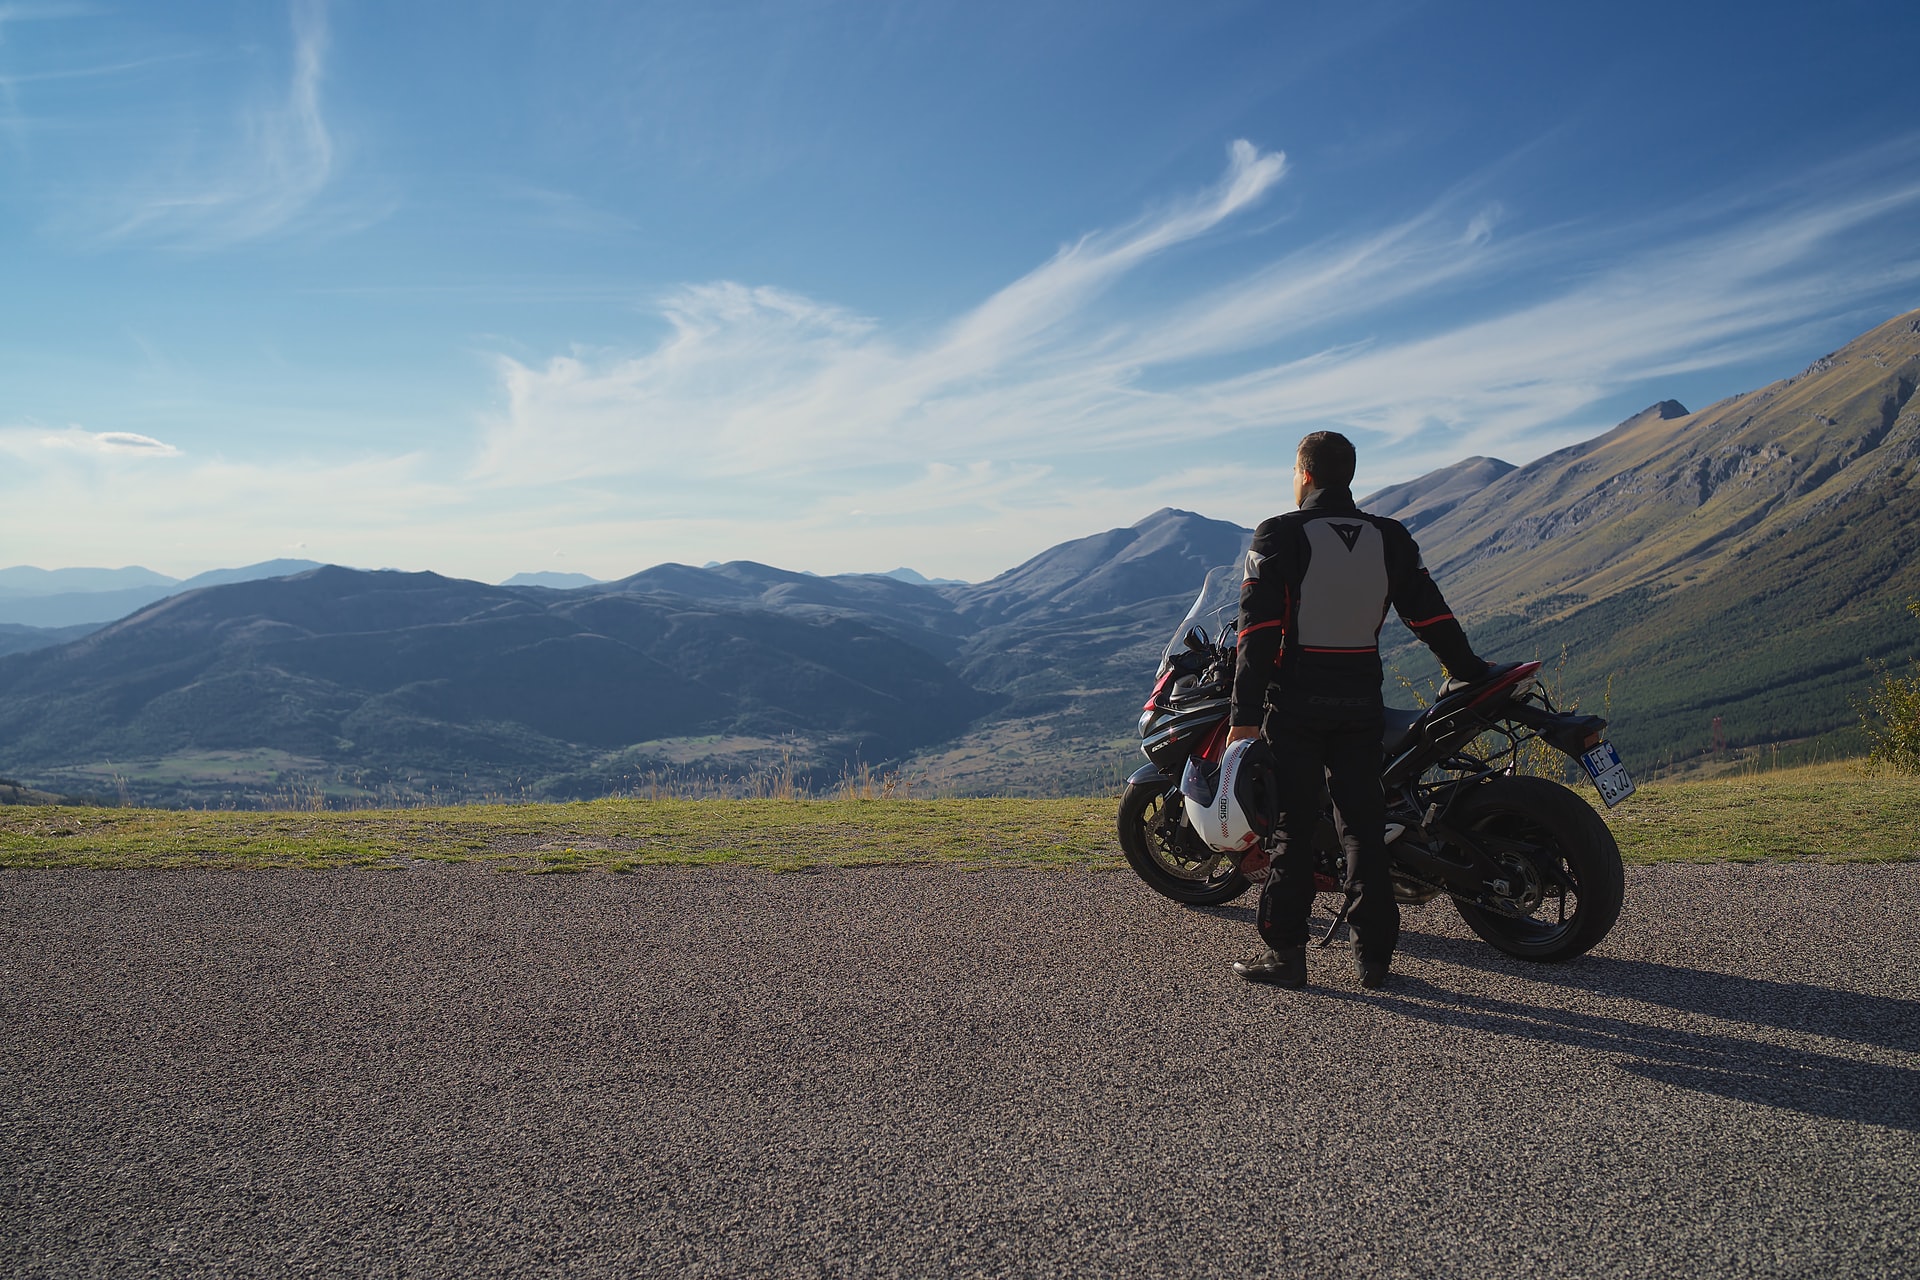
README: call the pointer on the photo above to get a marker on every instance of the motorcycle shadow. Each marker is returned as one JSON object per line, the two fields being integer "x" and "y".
{"x": 1711, "y": 1060}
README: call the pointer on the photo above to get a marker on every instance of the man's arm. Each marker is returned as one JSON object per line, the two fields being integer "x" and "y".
{"x": 1265, "y": 598}
{"x": 1418, "y": 602}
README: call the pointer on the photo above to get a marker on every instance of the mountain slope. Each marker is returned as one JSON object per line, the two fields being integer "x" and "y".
{"x": 1070, "y": 639}
{"x": 1418, "y": 503}
{"x": 1745, "y": 561}
{"x": 18, "y": 639}
{"x": 1168, "y": 553}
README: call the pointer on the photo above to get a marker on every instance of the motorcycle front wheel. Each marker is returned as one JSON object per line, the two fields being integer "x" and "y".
{"x": 1560, "y": 862}
{"x": 1163, "y": 851}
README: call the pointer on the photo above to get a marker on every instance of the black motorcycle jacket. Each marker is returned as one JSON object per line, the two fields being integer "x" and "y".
{"x": 1315, "y": 593}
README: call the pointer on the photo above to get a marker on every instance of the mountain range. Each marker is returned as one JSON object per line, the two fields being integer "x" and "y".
{"x": 394, "y": 684}
{"x": 64, "y": 599}
{"x": 40, "y": 607}
{"x": 1727, "y": 574}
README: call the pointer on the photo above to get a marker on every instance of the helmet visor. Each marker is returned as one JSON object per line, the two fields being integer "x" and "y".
{"x": 1200, "y": 781}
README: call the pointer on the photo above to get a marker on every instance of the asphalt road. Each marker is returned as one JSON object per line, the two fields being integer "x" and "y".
{"x": 933, "y": 1071}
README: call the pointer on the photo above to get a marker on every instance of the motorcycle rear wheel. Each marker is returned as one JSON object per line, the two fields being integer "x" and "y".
{"x": 1174, "y": 865}
{"x": 1548, "y": 834}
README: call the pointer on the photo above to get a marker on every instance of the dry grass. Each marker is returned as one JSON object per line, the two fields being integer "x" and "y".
{"x": 617, "y": 835}
{"x": 1823, "y": 812}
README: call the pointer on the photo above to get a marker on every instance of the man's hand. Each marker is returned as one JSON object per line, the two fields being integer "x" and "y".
{"x": 1240, "y": 732}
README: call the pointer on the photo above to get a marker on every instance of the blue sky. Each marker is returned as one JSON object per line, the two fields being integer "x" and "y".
{"x": 485, "y": 288}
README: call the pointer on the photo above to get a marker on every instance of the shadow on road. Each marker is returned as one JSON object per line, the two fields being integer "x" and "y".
{"x": 1727, "y": 1065}
{"x": 1882, "y": 1021}
{"x": 1730, "y": 1066}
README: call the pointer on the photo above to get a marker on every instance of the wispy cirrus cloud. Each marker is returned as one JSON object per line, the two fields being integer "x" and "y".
{"x": 1506, "y": 381}
{"x": 10, "y": 13}
{"x": 749, "y": 376}
{"x": 752, "y": 383}
{"x": 282, "y": 157}
{"x": 10, "y": 79}
{"x": 12, "y": 120}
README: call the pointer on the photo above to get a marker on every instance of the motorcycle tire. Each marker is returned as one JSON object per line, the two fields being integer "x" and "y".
{"x": 1168, "y": 866}
{"x": 1553, "y": 835}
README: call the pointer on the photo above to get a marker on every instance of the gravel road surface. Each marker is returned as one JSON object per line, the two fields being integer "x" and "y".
{"x": 923, "y": 1071}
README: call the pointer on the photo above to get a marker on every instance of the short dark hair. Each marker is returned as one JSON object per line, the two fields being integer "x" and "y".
{"x": 1329, "y": 458}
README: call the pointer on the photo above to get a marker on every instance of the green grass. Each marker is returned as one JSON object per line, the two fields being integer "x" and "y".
{"x": 1825, "y": 813}
{"x": 615, "y": 835}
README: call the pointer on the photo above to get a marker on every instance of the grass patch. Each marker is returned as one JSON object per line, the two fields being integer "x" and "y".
{"x": 1823, "y": 812}
{"x": 1827, "y": 812}
{"x": 615, "y": 835}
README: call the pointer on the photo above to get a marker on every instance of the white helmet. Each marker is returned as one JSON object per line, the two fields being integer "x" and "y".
{"x": 1232, "y": 805}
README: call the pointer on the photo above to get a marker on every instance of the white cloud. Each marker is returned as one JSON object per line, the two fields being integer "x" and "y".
{"x": 752, "y": 387}
{"x": 23, "y": 441}
{"x": 756, "y": 377}
{"x": 282, "y": 160}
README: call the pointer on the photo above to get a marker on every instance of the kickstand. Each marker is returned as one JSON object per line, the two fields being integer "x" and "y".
{"x": 1326, "y": 939}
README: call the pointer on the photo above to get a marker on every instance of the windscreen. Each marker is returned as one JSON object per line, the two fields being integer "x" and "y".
{"x": 1215, "y": 612}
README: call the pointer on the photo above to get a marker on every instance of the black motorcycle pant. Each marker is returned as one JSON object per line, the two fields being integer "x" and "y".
{"x": 1315, "y": 757}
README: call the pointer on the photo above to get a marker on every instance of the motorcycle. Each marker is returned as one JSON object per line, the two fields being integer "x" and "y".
{"x": 1530, "y": 866}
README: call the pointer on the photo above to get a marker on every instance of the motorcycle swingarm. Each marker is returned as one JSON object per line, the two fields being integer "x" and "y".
{"x": 1470, "y": 883}
{"x": 1467, "y": 881}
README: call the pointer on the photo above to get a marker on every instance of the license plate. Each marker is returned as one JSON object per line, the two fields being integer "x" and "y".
{"x": 1609, "y": 775}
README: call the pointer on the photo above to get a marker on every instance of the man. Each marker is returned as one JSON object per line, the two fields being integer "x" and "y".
{"x": 1317, "y": 585}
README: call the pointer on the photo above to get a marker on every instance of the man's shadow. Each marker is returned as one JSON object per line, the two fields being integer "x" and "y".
{"x": 1724, "y": 1063}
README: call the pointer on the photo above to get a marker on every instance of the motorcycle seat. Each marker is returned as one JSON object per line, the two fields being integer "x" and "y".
{"x": 1455, "y": 694}
{"x": 1398, "y": 729}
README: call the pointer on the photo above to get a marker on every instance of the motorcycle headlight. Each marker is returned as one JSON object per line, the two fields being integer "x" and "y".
{"x": 1146, "y": 721}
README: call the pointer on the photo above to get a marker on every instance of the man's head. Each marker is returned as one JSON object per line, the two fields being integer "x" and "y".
{"x": 1325, "y": 460}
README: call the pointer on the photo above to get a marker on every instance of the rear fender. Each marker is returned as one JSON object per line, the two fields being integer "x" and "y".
{"x": 1569, "y": 733}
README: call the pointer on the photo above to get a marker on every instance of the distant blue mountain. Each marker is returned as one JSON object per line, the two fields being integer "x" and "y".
{"x": 71, "y": 605}
{"x": 25, "y": 580}
{"x": 249, "y": 573}
{"x": 918, "y": 579}
{"x": 552, "y": 578}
